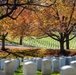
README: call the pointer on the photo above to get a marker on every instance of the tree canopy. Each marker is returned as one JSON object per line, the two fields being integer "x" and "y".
{"x": 58, "y": 21}
{"x": 8, "y": 7}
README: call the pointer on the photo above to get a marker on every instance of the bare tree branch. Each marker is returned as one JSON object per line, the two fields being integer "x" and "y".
{"x": 7, "y": 14}
{"x": 70, "y": 38}
{"x": 15, "y": 5}
{"x": 16, "y": 16}
{"x": 6, "y": 34}
{"x": 52, "y": 35}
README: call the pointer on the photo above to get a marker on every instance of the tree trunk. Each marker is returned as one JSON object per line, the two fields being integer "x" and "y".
{"x": 62, "y": 44}
{"x": 20, "y": 40}
{"x": 3, "y": 43}
{"x": 67, "y": 42}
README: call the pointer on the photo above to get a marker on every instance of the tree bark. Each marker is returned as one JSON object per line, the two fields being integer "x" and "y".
{"x": 67, "y": 42}
{"x": 20, "y": 40}
{"x": 3, "y": 43}
{"x": 62, "y": 44}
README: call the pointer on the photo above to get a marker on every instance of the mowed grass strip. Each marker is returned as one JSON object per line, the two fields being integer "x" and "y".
{"x": 42, "y": 43}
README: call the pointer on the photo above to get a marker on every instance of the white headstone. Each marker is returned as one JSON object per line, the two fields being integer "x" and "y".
{"x": 48, "y": 57}
{"x": 68, "y": 60}
{"x": 18, "y": 63}
{"x": 34, "y": 60}
{"x": 74, "y": 57}
{"x": 25, "y": 60}
{"x": 29, "y": 68}
{"x": 2, "y": 63}
{"x": 55, "y": 65}
{"x": 39, "y": 63}
{"x": 73, "y": 63}
{"x": 61, "y": 62}
{"x": 68, "y": 70}
{"x": 15, "y": 62}
{"x": 52, "y": 58}
{"x": 46, "y": 67}
{"x": 9, "y": 67}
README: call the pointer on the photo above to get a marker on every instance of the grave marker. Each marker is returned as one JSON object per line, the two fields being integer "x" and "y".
{"x": 55, "y": 65}
{"x": 46, "y": 67}
{"x": 68, "y": 70}
{"x": 29, "y": 68}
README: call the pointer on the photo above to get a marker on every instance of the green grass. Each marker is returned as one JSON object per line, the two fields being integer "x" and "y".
{"x": 43, "y": 43}
{"x": 20, "y": 71}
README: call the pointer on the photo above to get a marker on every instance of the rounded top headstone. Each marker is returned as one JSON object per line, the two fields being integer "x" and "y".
{"x": 73, "y": 62}
{"x": 28, "y": 63}
{"x": 38, "y": 58}
{"x": 67, "y": 67}
{"x": 45, "y": 60}
{"x": 7, "y": 61}
{"x": 54, "y": 59}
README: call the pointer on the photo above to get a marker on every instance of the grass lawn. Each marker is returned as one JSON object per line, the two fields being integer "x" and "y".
{"x": 20, "y": 71}
{"x": 43, "y": 43}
